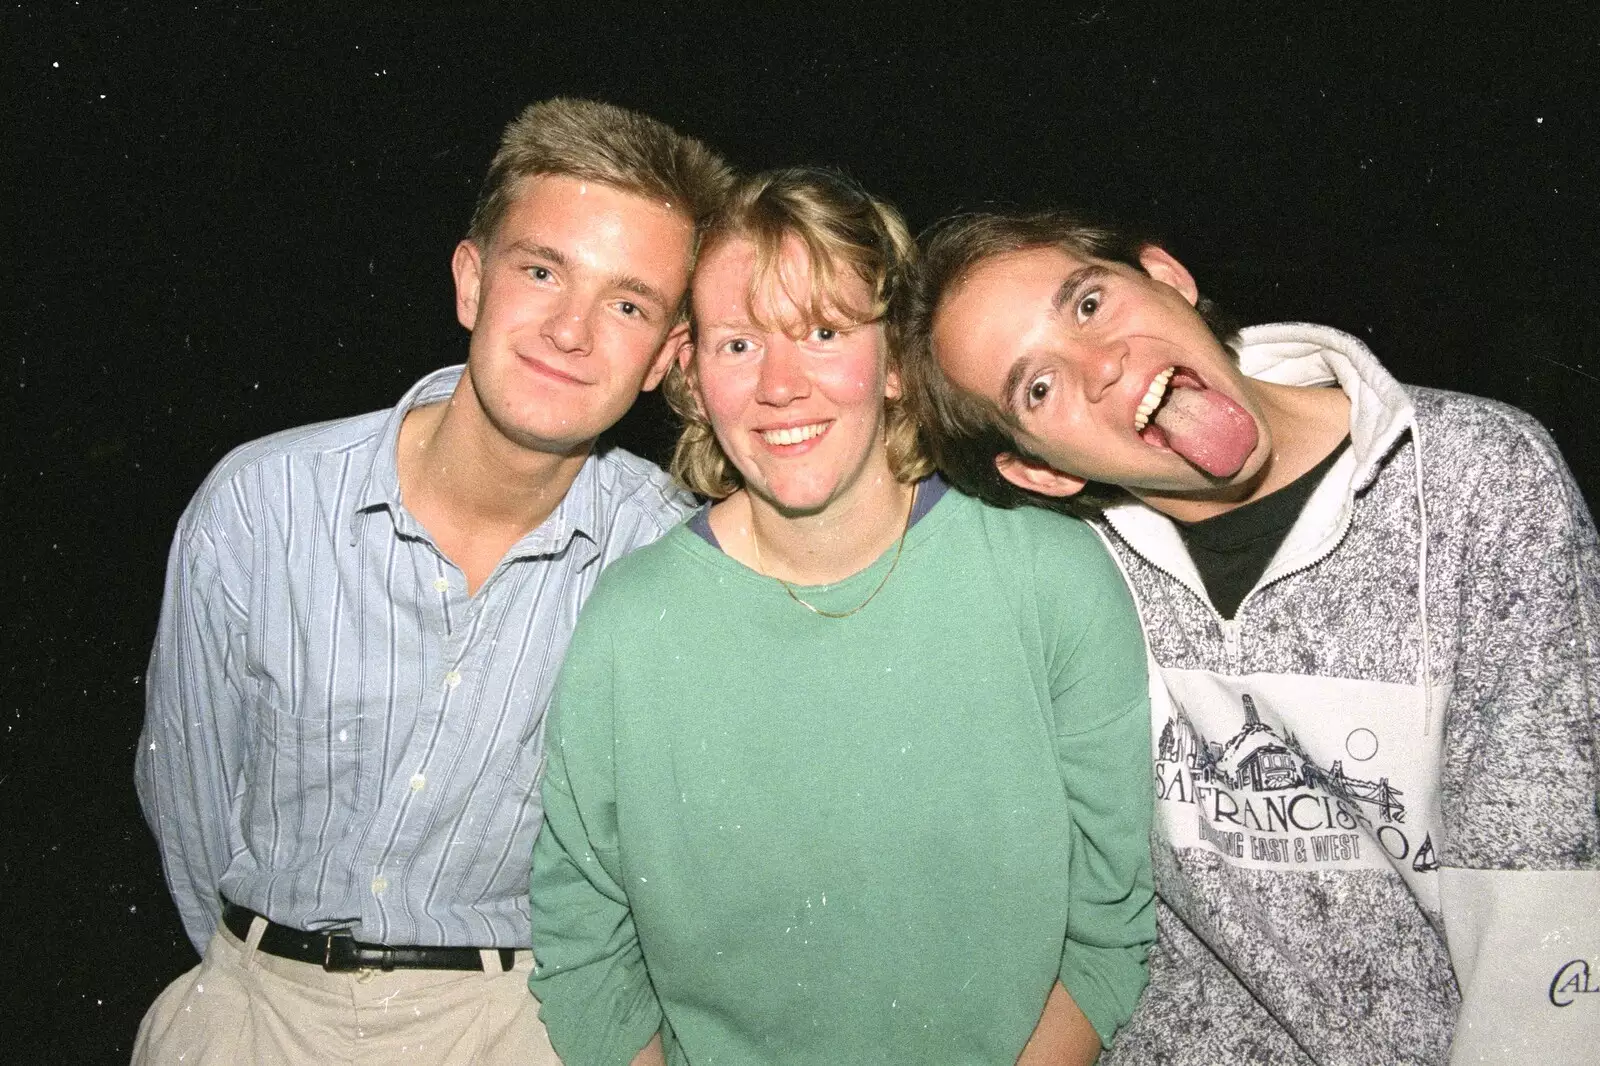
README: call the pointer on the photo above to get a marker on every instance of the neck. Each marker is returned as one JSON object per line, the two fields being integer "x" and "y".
{"x": 1301, "y": 425}
{"x": 459, "y": 471}
{"x": 815, "y": 549}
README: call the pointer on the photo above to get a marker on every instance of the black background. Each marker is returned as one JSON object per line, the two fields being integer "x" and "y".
{"x": 227, "y": 220}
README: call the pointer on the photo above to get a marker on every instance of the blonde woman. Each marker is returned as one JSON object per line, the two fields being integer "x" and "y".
{"x": 848, "y": 768}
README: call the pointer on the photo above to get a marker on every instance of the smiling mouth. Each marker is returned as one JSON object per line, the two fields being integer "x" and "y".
{"x": 790, "y": 435}
{"x": 539, "y": 366}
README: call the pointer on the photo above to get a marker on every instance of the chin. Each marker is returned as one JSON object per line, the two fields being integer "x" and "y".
{"x": 796, "y": 501}
{"x": 563, "y": 438}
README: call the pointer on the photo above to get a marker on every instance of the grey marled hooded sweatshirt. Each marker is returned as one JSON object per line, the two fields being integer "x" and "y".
{"x": 1376, "y": 829}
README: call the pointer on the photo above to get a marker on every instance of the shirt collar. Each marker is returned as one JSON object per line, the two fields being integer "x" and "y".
{"x": 382, "y": 485}
{"x": 577, "y": 515}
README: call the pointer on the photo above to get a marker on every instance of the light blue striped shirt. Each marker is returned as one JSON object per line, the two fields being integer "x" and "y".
{"x": 336, "y": 734}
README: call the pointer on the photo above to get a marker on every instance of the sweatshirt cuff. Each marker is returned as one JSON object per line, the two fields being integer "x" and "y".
{"x": 1105, "y": 983}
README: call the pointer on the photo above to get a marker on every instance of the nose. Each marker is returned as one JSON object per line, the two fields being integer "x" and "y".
{"x": 1101, "y": 367}
{"x": 568, "y": 327}
{"x": 783, "y": 377}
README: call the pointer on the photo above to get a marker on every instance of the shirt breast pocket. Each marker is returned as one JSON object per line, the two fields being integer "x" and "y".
{"x": 302, "y": 781}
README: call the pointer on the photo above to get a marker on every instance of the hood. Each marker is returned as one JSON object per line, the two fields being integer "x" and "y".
{"x": 1300, "y": 353}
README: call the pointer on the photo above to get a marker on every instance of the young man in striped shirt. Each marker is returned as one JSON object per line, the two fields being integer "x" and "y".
{"x": 362, "y": 620}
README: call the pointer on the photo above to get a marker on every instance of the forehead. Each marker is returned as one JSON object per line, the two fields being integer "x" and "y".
{"x": 578, "y": 209}
{"x": 1029, "y": 276}
{"x": 996, "y": 309}
{"x": 731, "y": 281}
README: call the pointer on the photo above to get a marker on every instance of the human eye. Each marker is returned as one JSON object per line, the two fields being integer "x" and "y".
{"x": 540, "y": 273}
{"x": 1088, "y": 304}
{"x": 1038, "y": 391}
{"x": 738, "y": 346}
{"x": 824, "y": 334}
{"x": 629, "y": 309}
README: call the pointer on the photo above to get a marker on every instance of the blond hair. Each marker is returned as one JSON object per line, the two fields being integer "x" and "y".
{"x": 603, "y": 143}
{"x": 842, "y": 229}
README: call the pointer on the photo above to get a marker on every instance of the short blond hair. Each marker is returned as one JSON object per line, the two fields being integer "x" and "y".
{"x": 603, "y": 143}
{"x": 842, "y": 228}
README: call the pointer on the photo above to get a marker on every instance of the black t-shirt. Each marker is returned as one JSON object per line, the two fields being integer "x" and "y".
{"x": 1232, "y": 549}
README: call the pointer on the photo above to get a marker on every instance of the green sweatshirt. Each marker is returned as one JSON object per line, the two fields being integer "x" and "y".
{"x": 780, "y": 837}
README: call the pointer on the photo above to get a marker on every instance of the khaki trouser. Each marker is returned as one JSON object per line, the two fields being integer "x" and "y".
{"x": 243, "y": 1006}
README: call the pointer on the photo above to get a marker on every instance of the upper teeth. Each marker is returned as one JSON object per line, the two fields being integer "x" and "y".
{"x": 793, "y": 434}
{"x": 1152, "y": 399}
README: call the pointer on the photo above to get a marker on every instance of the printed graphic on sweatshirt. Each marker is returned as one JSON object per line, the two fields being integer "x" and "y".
{"x": 1295, "y": 773}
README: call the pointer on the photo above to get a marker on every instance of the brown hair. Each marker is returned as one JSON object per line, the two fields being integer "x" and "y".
{"x": 965, "y": 432}
{"x": 603, "y": 143}
{"x": 842, "y": 228}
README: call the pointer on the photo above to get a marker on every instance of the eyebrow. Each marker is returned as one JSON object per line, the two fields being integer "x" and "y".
{"x": 639, "y": 287}
{"x": 542, "y": 251}
{"x": 1076, "y": 280}
{"x": 1014, "y": 377}
{"x": 727, "y": 323}
{"x": 1022, "y": 367}
{"x": 625, "y": 282}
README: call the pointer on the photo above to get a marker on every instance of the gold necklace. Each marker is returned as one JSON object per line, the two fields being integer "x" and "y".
{"x": 813, "y": 608}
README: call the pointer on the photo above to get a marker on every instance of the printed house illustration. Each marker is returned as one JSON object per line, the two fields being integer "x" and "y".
{"x": 1269, "y": 768}
{"x": 1257, "y": 759}
{"x": 1260, "y": 761}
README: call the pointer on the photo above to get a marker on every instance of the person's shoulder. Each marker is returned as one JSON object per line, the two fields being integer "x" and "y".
{"x": 658, "y": 573}
{"x": 233, "y": 476}
{"x": 1464, "y": 412}
{"x": 1050, "y": 546}
{"x": 630, "y": 485}
{"x": 1474, "y": 437}
{"x": 1036, "y": 527}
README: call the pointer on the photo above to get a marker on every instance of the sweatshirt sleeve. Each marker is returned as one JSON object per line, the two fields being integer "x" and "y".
{"x": 1520, "y": 859}
{"x": 1102, "y": 724}
{"x": 589, "y": 975}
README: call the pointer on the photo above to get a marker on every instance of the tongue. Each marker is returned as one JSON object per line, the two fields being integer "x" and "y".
{"x": 1208, "y": 429}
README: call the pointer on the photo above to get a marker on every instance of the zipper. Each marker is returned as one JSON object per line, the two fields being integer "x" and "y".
{"x": 1346, "y": 516}
{"x": 1230, "y": 641}
{"x": 1233, "y": 629}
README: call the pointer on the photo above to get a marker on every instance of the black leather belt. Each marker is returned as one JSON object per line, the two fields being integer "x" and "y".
{"x": 339, "y": 952}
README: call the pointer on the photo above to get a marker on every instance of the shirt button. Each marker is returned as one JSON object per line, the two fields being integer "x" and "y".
{"x": 453, "y": 678}
{"x": 379, "y": 885}
{"x": 417, "y": 782}
{"x": 441, "y": 584}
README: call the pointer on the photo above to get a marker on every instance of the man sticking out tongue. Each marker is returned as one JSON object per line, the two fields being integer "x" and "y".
{"x": 1369, "y": 600}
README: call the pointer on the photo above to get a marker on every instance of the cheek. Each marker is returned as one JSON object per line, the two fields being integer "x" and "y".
{"x": 633, "y": 346}
{"x": 854, "y": 383}
{"x": 507, "y": 311}
{"x": 724, "y": 394}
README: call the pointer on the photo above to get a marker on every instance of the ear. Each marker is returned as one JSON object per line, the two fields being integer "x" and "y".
{"x": 891, "y": 385}
{"x": 467, "y": 266}
{"x": 1159, "y": 264}
{"x": 1035, "y": 476}
{"x": 675, "y": 347}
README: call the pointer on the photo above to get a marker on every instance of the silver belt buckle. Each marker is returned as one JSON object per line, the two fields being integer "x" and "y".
{"x": 345, "y": 963}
